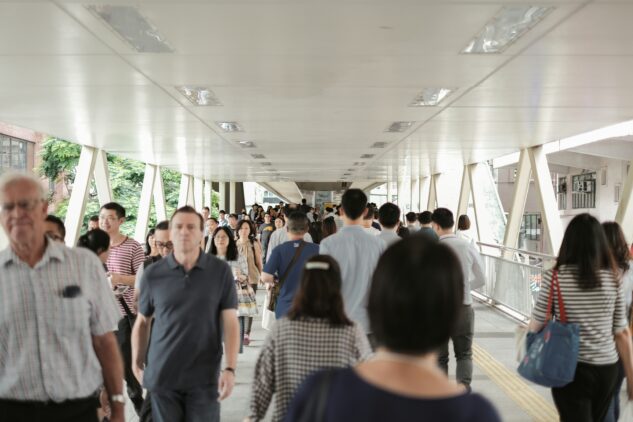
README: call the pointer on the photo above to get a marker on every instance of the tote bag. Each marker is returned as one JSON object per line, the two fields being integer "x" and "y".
{"x": 552, "y": 352}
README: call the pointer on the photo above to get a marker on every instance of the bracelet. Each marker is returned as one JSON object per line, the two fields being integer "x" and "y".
{"x": 117, "y": 398}
{"x": 228, "y": 368}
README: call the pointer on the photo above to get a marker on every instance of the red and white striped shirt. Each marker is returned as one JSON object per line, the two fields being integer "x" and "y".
{"x": 125, "y": 259}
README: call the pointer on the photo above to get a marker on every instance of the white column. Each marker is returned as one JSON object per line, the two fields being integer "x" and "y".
{"x": 159, "y": 196}
{"x": 79, "y": 195}
{"x": 464, "y": 193}
{"x": 477, "y": 206}
{"x": 432, "y": 202}
{"x": 232, "y": 197}
{"x": 389, "y": 193}
{"x": 190, "y": 195}
{"x": 145, "y": 203}
{"x": 208, "y": 193}
{"x": 198, "y": 193}
{"x": 624, "y": 215}
{"x": 185, "y": 187}
{"x": 415, "y": 194}
{"x": 519, "y": 197}
{"x": 102, "y": 178}
{"x": 424, "y": 183}
{"x": 547, "y": 197}
{"x": 222, "y": 193}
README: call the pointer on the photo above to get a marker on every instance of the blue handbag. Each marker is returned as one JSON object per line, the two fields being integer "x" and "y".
{"x": 552, "y": 353}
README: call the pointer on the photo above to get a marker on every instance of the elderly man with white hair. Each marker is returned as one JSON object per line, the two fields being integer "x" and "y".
{"x": 57, "y": 316}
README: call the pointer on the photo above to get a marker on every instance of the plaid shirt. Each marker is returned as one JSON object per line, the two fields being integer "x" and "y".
{"x": 48, "y": 315}
{"x": 294, "y": 350}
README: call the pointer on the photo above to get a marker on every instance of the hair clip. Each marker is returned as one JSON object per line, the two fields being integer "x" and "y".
{"x": 317, "y": 266}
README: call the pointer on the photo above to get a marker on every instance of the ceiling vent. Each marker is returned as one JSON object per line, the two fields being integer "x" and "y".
{"x": 258, "y": 156}
{"x": 246, "y": 144}
{"x": 199, "y": 96}
{"x": 367, "y": 156}
{"x": 399, "y": 127}
{"x": 230, "y": 126}
{"x": 380, "y": 144}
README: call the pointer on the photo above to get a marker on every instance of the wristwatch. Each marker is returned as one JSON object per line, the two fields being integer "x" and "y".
{"x": 117, "y": 398}
{"x": 228, "y": 368}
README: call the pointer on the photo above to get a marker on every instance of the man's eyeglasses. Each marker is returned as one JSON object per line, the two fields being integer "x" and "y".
{"x": 24, "y": 205}
{"x": 166, "y": 245}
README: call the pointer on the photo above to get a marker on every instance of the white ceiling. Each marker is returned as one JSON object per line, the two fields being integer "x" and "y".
{"x": 314, "y": 83}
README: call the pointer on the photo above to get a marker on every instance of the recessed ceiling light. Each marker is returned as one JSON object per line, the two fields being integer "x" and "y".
{"x": 505, "y": 28}
{"x": 359, "y": 163}
{"x": 399, "y": 126}
{"x": 199, "y": 96}
{"x": 266, "y": 163}
{"x": 230, "y": 126}
{"x": 347, "y": 174}
{"x": 430, "y": 97}
{"x": 366, "y": 156}
{"x": 258, "y": 156}
{"x": 379, "y": 144}
{"x": 247, "y": 144}
{"x": 133, "y": 27}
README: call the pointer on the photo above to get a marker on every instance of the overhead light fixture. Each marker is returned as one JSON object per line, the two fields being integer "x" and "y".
{"x": 258, "y": 156}
{"x": 199, "y": 96}
{"x": 430, "y": 97}
{"x": 133, "y": 27}
{"x": 266, "y": 163}
{"x": 359, "y": 163}
{"x": 379, "y": 144}
{"x": 367, "y": 156}
{"x": 347, "y": 174}
{"x": 230, "y": 126}
{"x": 246, "y": 144}
{"x": 399, "y": 126}
{"x": 506, "y": 27}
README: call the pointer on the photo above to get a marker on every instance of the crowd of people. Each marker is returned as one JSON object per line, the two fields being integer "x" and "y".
{"x": 364, "y": 300}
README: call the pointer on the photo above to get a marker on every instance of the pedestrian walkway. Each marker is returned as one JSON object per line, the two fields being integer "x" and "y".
{"x": 494, "y": 373}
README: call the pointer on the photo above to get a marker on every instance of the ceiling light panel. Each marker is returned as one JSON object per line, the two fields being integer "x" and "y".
{"x": 506, "y": 27}
{"x": 133, "y": 27}
{"x": 258, "y": 156}
{"x": 379, "y": 144}
{"x": 399, "y": 126}
{"x": 230, "y": 126}
{"x": 367, "y": 156}
{"x": 430, "y": 97}
{"x": 199, "y": 96}
{"x": 359, "y": 163}
{"x": 246, "y": 144}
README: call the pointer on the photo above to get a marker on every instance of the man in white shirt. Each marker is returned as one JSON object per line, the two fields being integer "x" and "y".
{"x": 389, "y": 217}
{"x": 368, "y": 219}
{"x": 357, "y": 254}
{"x": 412, "y": 222}
{"x": 473, "y": 270}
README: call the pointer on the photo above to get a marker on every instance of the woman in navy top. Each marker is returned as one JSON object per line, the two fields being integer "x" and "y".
{"x": 414, "y": 303}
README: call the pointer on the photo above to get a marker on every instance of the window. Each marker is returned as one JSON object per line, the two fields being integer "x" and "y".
{"x": 583, "y": 194}
{"x": 561, "y": 193}
{"x": 13, "y": 154}
{"x": 531, "y": 226}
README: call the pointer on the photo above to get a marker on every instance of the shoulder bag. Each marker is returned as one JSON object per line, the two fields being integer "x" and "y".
{"x": 552, "y": 353}
{"x": 276, "y": 289}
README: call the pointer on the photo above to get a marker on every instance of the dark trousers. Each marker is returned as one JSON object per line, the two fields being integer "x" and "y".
{"x": 79, "y": 410}
{"x": 462, "y": 345}
{"x": 613, "y": 414}
{"x": 588, "y": 396}
{"x": 124, "y": 335}
{"x": 196, "y": 405}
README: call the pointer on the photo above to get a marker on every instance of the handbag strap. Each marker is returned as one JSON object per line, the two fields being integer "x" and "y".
{"x": 292, "y": 263}
{"x": 555, "y": 285}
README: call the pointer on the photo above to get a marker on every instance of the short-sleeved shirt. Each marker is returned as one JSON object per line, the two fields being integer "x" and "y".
{"x": 48, "y": 315}
{"x": 186, "y": 344}
{"x": 357, "y": 254}
{"x": 351, "y": 398}
{"x": 598, "y": 311}
{"x": 265, "y": 230}
{"x": 126, "y": 258}
{"x": 278, "y": 263}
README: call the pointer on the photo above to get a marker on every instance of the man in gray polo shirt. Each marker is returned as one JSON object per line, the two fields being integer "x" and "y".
{"x": 357, "y": 253}
{"x": 192, "y": 297}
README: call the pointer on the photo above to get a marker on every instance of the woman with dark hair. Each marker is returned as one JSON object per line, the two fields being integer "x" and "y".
{"x": 592, "y": 296}
{"x": 251, "y": 249}
{"x": 328, "y": 227}
{"x": 402, "y": 381}
{"x": 98, "y": 241}
{"x": 622, "y": 257}
{"x": 225, "y": 248}
{"x": 150, "y": 245}
{"x": 315, "y": 334}
{"x": 463, "y": 226}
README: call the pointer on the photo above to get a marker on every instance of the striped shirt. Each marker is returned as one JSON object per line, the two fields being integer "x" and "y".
{"x": 294, "y": 350}
{"x": 599, "y": 312}
{"x": 125, "y": 259}
{"x": 48, "y": 315}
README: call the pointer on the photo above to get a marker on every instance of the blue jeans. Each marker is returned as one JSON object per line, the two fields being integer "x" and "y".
{"x": 195, "y": 405}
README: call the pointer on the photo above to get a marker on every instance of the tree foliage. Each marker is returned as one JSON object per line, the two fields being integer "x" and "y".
{"x": 59, "y": 162}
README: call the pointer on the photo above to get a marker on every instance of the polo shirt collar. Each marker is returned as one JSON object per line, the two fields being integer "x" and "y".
{"x": 173, "y": 264}
{"x": 446, "y": 236}
{"x": 353, "y": 227}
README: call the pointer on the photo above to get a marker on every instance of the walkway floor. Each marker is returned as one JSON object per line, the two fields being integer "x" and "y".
{"x": 494, "y": 372}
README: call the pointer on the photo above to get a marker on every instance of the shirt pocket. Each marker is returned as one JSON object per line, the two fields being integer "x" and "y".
{"x": 70, "y": 316}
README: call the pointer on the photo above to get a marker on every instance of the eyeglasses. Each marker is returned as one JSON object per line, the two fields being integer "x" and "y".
{"x": 166, "y": 245}
{"x": 24, "y": 205}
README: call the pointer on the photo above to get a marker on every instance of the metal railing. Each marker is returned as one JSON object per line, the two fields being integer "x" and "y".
{"x": 513, "y": 278}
